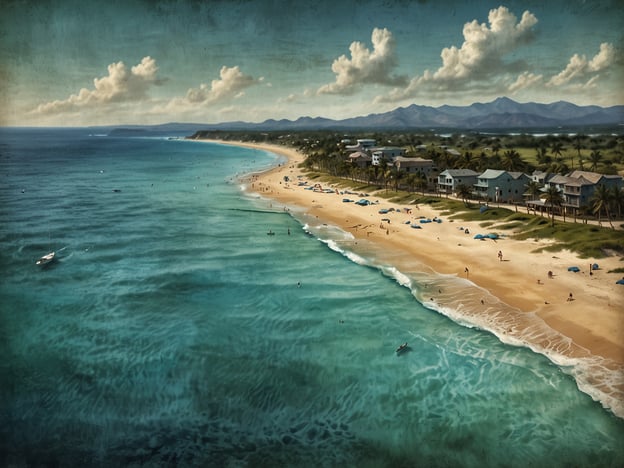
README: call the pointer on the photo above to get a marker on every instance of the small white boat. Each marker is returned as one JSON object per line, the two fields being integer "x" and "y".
{"x": 46, "y": 259}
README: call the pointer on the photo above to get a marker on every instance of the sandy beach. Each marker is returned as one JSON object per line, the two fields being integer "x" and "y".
{"x": 593, "y": 319}
{"x": 585, "y": 309}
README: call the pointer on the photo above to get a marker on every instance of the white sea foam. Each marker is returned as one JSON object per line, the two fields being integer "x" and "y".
{"x": 474, "y": 307}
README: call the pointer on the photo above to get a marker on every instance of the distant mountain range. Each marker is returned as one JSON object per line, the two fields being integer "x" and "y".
{"x": 502, "y": 113}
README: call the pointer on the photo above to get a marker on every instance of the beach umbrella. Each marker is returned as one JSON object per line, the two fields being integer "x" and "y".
{"x": 595, "y": 266}
{"x": 620, "y": 281}
{"x": 478, "y": 236}
{"x": 575, "y": 269}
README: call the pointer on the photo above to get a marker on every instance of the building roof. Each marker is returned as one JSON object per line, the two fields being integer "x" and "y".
{"x": 388, "y": 148}
{"x": 459, "y": 172}
{"x": 402, "y": 160}
{"x": 570, "y": 181}
{"x": 491, "y": 174}
{"x": 360, "y": 155}
{"x": 593, "y": 177}
{"x": 495, "y": 174}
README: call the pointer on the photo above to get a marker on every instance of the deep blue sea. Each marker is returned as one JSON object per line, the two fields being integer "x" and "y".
{"x": 173, "y": 331}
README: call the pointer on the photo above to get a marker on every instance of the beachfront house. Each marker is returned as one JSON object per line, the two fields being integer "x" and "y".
{"x": 500, "y": 186}
{"x": 360, "y": 159}
{"x": 426, "y": 167}
{"x": 578, "y": 187}
{"x": 450, "y": 179}
{"x": 386, "y": 152}
{"x": 362, "y": 144}
{"x": 541, "y": 177}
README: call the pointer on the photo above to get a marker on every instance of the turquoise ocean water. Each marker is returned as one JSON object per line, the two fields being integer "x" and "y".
{"x": 173, "y": 331}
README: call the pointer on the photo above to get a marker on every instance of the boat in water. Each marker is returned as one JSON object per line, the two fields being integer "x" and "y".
{"x": 401, "y": 348}
{"x": 46, "y": 259}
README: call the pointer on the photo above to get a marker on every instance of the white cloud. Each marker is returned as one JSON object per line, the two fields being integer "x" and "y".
{"x": 484, "y": 46}
{"x": 604, "y": 58}
{"x": 524, "y": 80}
{"x": 120, "y": 85}
{"x": 231, "y": 84}
{"x": 210, "y": 99}
{"x": 479, "y": 62}
{"x": 579, "y": 67}
{"x": 365, "y": 66}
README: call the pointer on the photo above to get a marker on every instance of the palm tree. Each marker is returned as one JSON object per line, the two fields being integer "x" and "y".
{"x": 387, "y": 176}
{"x": 467, "y": 161}
{"x": 534, "y": 189}
{"x": 600, "y": 200}
{"x": 483, "y": 163}
{"x": 512, "y": 161}
{"x": 464, "y": 192}
{"x": 617, "y": 197}
{"x": 578, "y": 146}
{"x": 595, "y": 157}
{"x": 397, "y": 176}
{"x": 556, "y": 149}
{"x": 553, "y": 197}
{"x": 421, "y": 182}
{"x": 496, "y": 147}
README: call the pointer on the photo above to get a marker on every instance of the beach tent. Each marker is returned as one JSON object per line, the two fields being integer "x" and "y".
{"x": 595, "y": 266}
{"x": 478, "y": 236}
{"x": 492, "y": 235}
{"x": 483, "y": 209}
{"x": 575, "y": 269}
{"x": 621, "y": 281}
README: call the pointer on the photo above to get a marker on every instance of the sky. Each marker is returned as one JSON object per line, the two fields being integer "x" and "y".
{"x": 81, "y": 63}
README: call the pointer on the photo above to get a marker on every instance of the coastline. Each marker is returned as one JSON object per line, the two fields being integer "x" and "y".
{"x": 589, "y": 327}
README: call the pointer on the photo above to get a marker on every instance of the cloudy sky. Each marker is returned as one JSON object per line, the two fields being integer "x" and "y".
{"x": 84, "y": 62}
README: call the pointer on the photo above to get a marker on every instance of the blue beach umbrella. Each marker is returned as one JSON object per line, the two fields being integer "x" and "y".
{"x": 575, "y": 269}
{"x": 620, "y": 281}
{"x": 478, "y": 236}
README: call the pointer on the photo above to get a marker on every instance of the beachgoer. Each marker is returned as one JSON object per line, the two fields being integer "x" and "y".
{"x": 466, "y": 271}
{"x": 570, "y": 297}
{"x": 500, "y": 255}
{"x": 550, "y": 274}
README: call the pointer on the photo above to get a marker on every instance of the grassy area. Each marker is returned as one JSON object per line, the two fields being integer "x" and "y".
{"x": 587, "y": 240}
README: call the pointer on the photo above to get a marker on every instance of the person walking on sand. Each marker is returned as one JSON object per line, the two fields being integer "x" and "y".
{"x": 500, "y": 255}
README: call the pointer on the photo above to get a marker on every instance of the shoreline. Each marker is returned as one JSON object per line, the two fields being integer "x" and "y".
{"x": 589, "y": 322}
